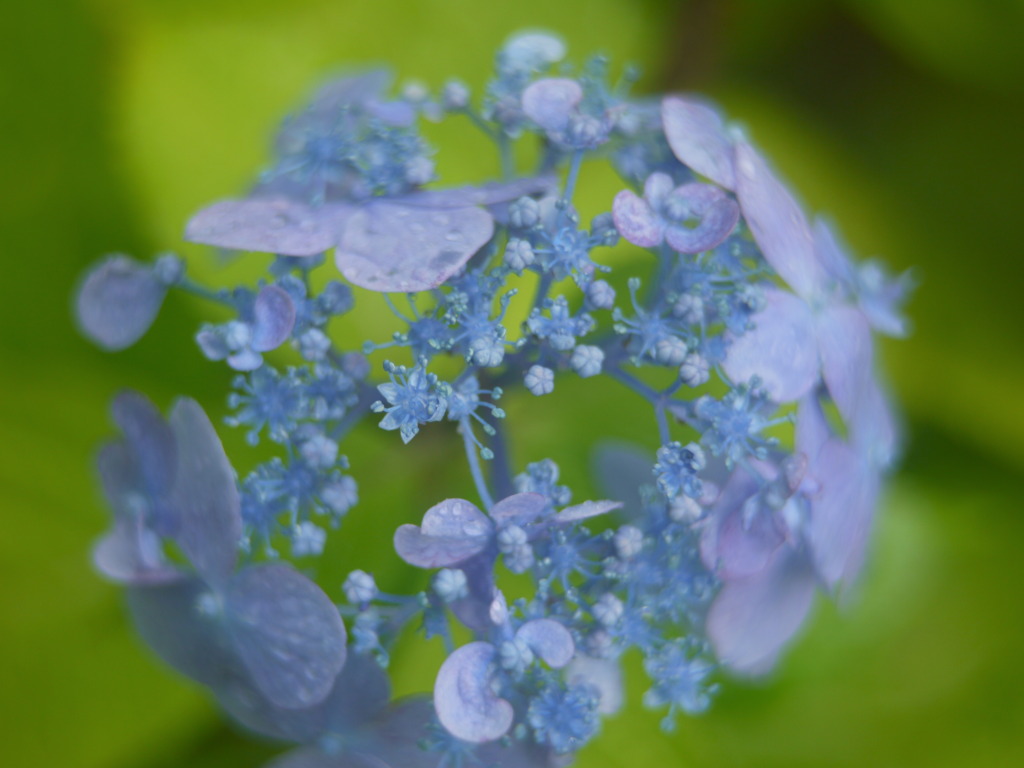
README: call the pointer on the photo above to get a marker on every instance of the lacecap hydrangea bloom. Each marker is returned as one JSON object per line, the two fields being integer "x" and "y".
{"x": 747, "y": 330}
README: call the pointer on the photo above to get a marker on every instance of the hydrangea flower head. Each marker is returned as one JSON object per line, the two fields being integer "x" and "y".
{"x": 747, "y": 333}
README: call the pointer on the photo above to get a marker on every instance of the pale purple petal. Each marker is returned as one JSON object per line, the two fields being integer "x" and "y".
{"x": 118, "y": 302}
{"x": 781, "y": 349}
{"x": 474, "y": 610}
{"x": 360, "y": 693}
{"x": 698, "y": 139}
{"x": 493, "y": 193}
{"x": 746, "y": 546}
{"x": 551, "y": 102}
{"x": 844, "y": 340}
{"x": 715, "y": 210}
{"x": 548, "y": 639}
{"x": 751, "y": 620}
{"x": 520, "y": 508}
{"x": 435, "y": 551}
{"x": 169, "y": 620}
{"x": 287, "y": 631}
{"x": 463, "y": 699}
{"x": 724, "y": 546}
{"x": 873, "y": 428}
{"x": 270, "y": 225}
{"x": 882, "y": 296}
{"x": 205, "y": 496}
{"x": 605, "y": 675}
{"x": 456, "y": 518}
{"x": 636, "y": 220}
{"x": 131, "y": 554}
{"x": 391, "y": 247}
{"x": 583, "y": 511}
{"x": 841, "y": 513}
{"x": 812, "y": 429}
{"x": 453, "y": 531}
{"x": 149, "y": 440}
{"x": 395, "y": 737}
{"x": 831, "y": 255}
{"x": 778, "y": 223}
{"x": 273, "y": 318}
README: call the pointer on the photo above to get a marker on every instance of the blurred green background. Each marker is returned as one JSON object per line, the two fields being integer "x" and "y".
{"x": 902, "y": 118}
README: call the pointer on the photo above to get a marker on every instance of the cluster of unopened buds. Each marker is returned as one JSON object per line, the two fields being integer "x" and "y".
{"x": 750, "y": 337}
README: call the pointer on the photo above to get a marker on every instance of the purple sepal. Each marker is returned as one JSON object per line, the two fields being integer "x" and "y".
{"x": 751, "y": 620}
{"x": 698, "y": 139}
{"x": 781, "y": 349}
{"x": 474, "y": 610}
{"x": 550, "y": 640}
{"x": 842, "y": 513}
{"x": 778, "y": 223}
{"x": 740, "y": 536}
{"x": 151, "y": 450}
{"x": 131, "y": 554}
{"x": 270, "y": 225}
{"x": 521, "y": 509}
{"x": 452, "y": 532}
{"x": 636, "y": 221}
{"x": 490, "y": 194}
{"x": 465, "y": 703}
{"x": 841, "y": 485}
{"x": 287, "y": 632}
{"x": 273, "y": 318}
{"x": 205, "y": 497}
{"x": 118, "y": 302}
{"x": 169, "y": 620}
{"x": 716, "y": 212}
{"x": 844, "y": 342}
{"x": 392, "y": 247}
{"x": 584, "y": 510}
{"x": 360, "y": 693}
{"x": 873, "y": 429}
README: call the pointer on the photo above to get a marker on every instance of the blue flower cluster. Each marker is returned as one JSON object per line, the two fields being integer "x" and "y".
{"x": 750, "y": 337}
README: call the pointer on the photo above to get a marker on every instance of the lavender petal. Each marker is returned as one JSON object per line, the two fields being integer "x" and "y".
{"x": 844, "y": 341}
{"x": 205, "y": 497}
{"x": 717, "y": 212}
{"x": 270, "y": 225}
{"x": 636, "y": 221}
{"x": 583, "y": 511}
{"x": 550, "y": 640}
{"x": 780, "y": 350}
{"x": 463, "y": 699}
{"x": 520, "y": 509}
{"x": 698, "y": 139}
{"x": 392, "y": 247}
{"x": 118, "y": 302}
{"x": 273, "y": 318}
{"x": 778, "y": 224}
{"x": 287, "y": 632}
{"x": 752, "y": 619}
